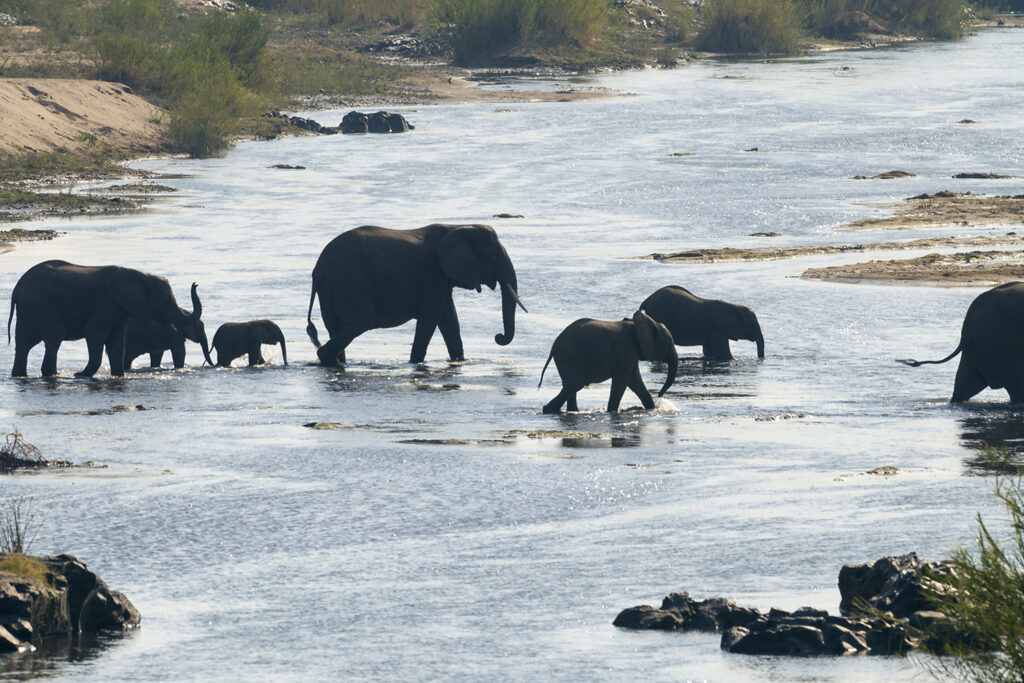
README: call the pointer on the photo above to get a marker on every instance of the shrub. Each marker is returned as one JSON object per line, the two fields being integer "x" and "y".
{"x": 17, "y": 525}
{"x": 483, "y": 29}
{"x": 680, "y": 20}
{"x": 208, "y": 101}
{"x": 984, "y": 597}
{"x": 126, "y": 59}
{"x": 749, "y": 27}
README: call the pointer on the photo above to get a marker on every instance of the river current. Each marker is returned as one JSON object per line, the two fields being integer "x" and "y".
{"x": 444, "y": 528}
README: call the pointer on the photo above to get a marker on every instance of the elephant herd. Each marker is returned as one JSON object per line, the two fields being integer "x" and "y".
{"x": 372, "y": 277}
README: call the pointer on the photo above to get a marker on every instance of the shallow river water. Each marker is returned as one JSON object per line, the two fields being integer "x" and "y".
{"x": 445, "y": 528}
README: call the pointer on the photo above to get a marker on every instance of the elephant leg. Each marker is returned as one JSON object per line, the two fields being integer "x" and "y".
{"x": 571, "y": 405}
{"x": 177, "y": 355}
{"x": 449, "y": 326}
{"x": 424, "y": 331}
{"x": 95, "y": 346}
{"x": 619, "y": 383}
{"x": 115, "y": 351}
{"x": 968, "y": 382}
{"x": 637, "y": 386}
{"x": 333, "y": 351}
{"x": 156, "y": 358}
{"x": 555, "y": 404}
{"x": 717, "y": 348}
{"x": 255, "y": 357}
{"x": 21, "y": 349}
{"x": 50, "y": 357}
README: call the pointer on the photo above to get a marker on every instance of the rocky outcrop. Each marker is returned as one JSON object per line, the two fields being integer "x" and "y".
{"x": 377, "y": 122}
{"x": 63, "y": 599}
{"x": 884, "y": 606}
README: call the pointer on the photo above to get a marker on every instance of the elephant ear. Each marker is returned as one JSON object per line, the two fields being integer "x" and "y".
{"x": 127, "y": 289}
{"x": 458, "y": 259}
{"x": 728, "y": 319}
{"x": 646, "y": 335}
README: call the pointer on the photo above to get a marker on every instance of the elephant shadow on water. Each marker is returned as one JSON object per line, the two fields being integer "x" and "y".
{"x": 991, "y": 431}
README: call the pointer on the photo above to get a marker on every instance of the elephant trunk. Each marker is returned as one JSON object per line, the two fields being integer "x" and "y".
{"x": 206, "y": 349}
{"x": 197, "y": 305}
{"x": 760, "y": 345}
{"x": 509, "y": 301}
{"x": 673, "y": 367}
{"x": 284, "y": 350}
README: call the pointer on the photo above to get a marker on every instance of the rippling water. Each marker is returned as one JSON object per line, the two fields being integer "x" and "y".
{"x": 445, "y": 529}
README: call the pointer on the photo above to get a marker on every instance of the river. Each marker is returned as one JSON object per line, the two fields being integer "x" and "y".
{"x": 445, "y": 528}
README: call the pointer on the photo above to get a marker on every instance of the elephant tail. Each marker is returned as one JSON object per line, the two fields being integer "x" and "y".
{"x": 550, "y": 355}
{"x": 310, "y": 327}
{"x": 916, "y": 363}
{"x": 11, "y": 316}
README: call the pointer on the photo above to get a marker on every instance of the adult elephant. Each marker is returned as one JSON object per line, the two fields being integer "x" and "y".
{"x": 150, "y": 337}
{"x": 58, "y": 301}
{"x": 991, "y": 345}
{"x": 372, "y": 277}
{"x": 232, "y": 340}
{"x": 590, "y": 351}
{"x": 708, "y": 323}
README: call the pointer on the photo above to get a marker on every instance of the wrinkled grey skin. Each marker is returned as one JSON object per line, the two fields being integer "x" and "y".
{"x": 153, "y": 338}
{"x": 58, "y": 301}
{"x": 232, "y": 340}
{"x": 708, "y": 323}
{"x": 991, "y": 344}
{"x": 590, "y": 351}
{"x": 373, "y": 277}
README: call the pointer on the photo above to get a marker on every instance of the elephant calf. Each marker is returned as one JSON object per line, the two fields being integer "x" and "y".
{"x": 589, "y": 351}
{"x": 237, "y": 339}
{"x": 149, "y": 337}
{"x": 708, "y": 323}
{"x": 992, "y": 344}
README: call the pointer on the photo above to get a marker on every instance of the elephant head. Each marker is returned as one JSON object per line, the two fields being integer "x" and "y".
{"x": 150, "y": 297}
{"x": 471, "y": 256}
{"x": 738, "y": 322}
{"x": 266, "y": 332}
{"x": 656, "y": 343}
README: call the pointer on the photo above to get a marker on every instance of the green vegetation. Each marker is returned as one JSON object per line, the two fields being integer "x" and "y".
{"x": 481, "y": 30}
{"x": 24, "y": 566}
{"x": 983, "y": 599}
{"x": 749, "y": 27}
{"x": 17, "y": 525}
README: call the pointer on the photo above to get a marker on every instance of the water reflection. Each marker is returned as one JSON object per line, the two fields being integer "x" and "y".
{"x": 55, "y": 653}
{"x": 996, "y": 435}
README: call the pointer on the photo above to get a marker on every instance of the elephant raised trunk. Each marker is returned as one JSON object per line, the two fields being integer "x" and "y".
{"x": 509, "y": 300}
{"x": 192, "y": 325}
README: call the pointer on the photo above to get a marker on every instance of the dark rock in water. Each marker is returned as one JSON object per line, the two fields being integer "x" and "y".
{"x": 286, "y": 166}
{"x": 892, "y": 584}
{"x": 72, "y": 600}
{"x": 888, "y": 175}
{"x": 941, "y": 194}
{"x": 764, "y": 234}
{"x": 377, "y": 122}
{"x": 966, "y": 121}
{"x": 982, "y": 176}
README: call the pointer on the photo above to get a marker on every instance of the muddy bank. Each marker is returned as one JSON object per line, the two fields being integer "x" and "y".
{"x": 971, "y": 269}
{"x": 947, "y": 208}
{"x": 773, "y": 253}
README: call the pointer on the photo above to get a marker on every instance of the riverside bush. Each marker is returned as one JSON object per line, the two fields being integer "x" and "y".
{"x": 483, "y": 29}
{"x": 749, "y": 27}
{"x": 845, "y": 18}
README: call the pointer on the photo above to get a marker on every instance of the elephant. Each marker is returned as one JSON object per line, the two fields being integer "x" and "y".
{"x": 237, "y": 339}
{"x": 59, "y": 301}
{"x": 146, "y": 336}
{"x": 709, "y": 323}
{"x": 992, "y": 344}
{"x": 372, "y": 277}
{"x": 589, "y": 351}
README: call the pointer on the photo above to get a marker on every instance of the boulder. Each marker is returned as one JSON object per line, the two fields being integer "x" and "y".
{"x": 890, "y": 584}
{"x": 377, "y": 122}
{"x": 71, "y": 600}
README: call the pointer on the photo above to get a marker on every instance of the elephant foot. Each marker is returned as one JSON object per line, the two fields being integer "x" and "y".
{"x": 328, "y": 359}
{"x": 80, "y": 373}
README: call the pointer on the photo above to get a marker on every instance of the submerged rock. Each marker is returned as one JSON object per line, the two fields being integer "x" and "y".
{"x": 893, "y": 585}
{"x": 42, "y": 597}
{"x": 888, "y": 175}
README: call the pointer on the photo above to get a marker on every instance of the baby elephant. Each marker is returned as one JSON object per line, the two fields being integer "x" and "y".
{"x": 236, "y": 339}
{"x": 709, "y": 323}
{"x": 589, "y": 351}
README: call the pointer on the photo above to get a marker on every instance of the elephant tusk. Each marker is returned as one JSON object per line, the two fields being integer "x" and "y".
{"x": 515, "y": 296}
